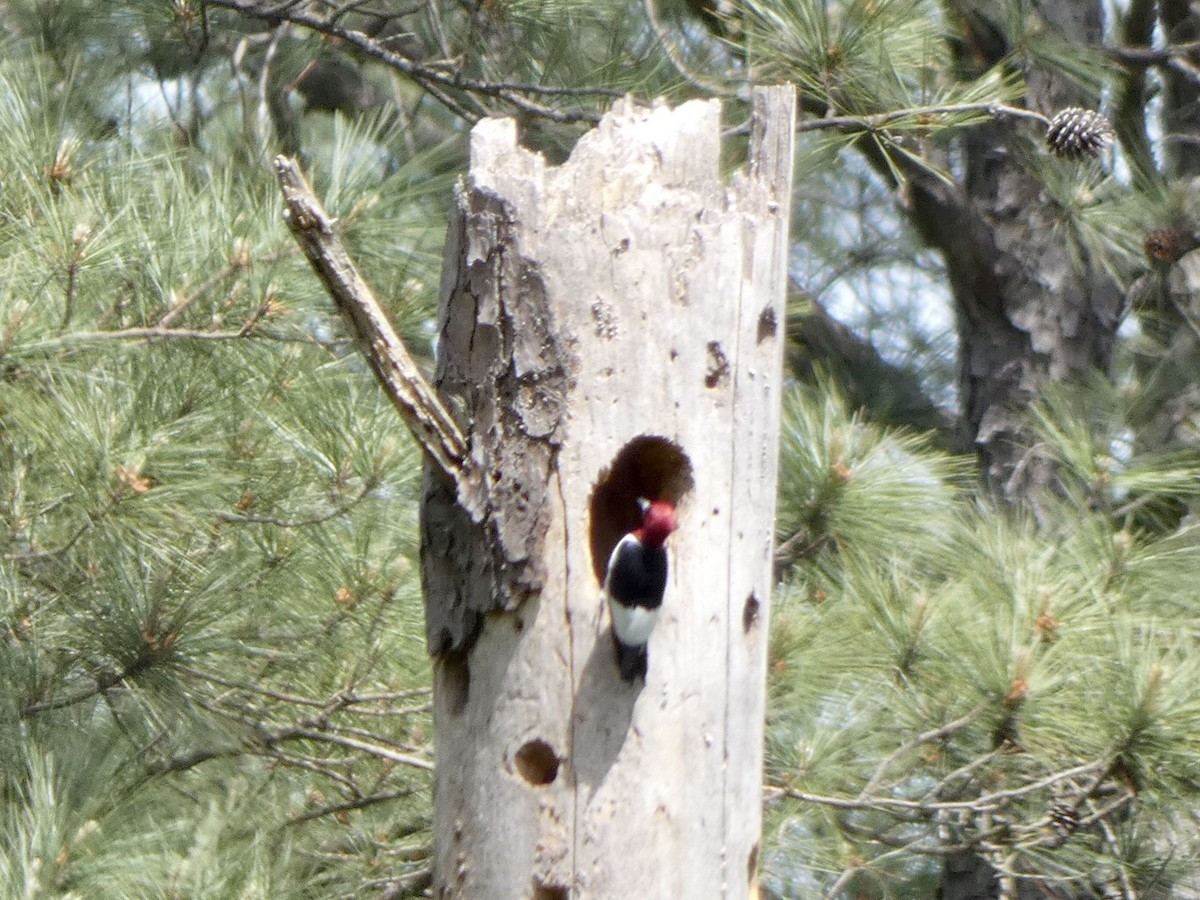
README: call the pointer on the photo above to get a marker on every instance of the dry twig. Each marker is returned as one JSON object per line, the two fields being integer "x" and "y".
{"x": 396, "y": 371}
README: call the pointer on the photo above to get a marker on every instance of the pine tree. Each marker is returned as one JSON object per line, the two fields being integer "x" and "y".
{"x": 215, "y": 680}
{"x": 213, "y": 675}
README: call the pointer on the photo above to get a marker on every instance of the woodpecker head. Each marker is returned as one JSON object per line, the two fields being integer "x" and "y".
{"x": 658, "y": 521}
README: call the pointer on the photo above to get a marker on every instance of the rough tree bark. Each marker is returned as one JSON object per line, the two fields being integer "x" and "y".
{"x": 1032, "y": 307}
{"x": 609, "y": 329}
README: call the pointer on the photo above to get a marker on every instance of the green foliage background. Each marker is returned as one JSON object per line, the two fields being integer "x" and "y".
{"x": 210, "y": 538}
{"x": 213, "y": 680}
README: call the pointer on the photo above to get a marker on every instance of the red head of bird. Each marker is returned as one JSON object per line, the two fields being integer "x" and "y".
{"x": 658, "y": 521}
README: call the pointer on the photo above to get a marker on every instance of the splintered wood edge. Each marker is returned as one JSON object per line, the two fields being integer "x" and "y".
{"x": 773, "y": 137}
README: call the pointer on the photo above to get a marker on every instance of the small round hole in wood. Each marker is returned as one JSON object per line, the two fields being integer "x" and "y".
{"x": 537, "y": 762}
{"x": 455, "y": 674}
{"x": 649, "y": 467}
{"x": 768, "y": 323}
{"x": 750, "y": 613}
{"x": 543, "y": 891}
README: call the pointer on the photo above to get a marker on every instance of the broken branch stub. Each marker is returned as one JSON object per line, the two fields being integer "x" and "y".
{"x": 418, "y": 404}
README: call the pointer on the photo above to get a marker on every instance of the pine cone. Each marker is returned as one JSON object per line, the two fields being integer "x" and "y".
{"x": 1075, "y": 133}
{"x": 1168, "y": 245}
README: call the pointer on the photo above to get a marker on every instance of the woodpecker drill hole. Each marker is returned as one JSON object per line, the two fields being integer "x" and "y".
{"x": 717, "y": 373}
{"x": 750, "y": 614}
{"x": 543, "y": 891}
{"x": 768, "y": 323}
{"x": 537, "y": 762}
{"x": 456, "y": 681}
{"x": 649, "y": 468}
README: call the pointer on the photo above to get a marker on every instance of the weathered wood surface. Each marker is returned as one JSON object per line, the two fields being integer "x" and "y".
{"x": 611, "y": 327}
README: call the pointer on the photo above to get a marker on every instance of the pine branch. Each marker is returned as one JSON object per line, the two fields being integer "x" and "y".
{"x": 668, "y": 47}
{"x": 147, "y": 657}
{"x": 334, "y": 809}
{"x": 880, "y": 121}
{"x": 397, "y": 372}
{"x": 156, "y": 333}
{"x": 438, "y": 82}
{"x": 25, "y": 557}
{"x": 893, "y": 395}
{"x": 279, "y": 522}
{"x": 934, "y": 734}
{"x": 239, "y": 261}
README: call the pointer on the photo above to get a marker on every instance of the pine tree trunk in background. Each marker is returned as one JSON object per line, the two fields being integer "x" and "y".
{"x": 1029, "y": 311}
{"x": 611, "y": 328}
{"x": 1031, "y": 308}
{"x": 1181, "y": 105}
{"x": 1166, "y": 299}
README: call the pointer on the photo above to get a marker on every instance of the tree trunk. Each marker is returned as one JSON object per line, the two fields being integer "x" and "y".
{"x": 1032, "y": 309}
{"x": 609, "y": 329}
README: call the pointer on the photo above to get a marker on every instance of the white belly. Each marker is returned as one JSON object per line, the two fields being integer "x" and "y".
{"x": 632, "y": 625}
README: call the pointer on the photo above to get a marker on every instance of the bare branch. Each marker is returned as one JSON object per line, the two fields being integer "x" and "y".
{"x": 882, "y": 120}
{"x": 935, "y": 734}
{"x": 396, "y": 371}
{"x": 341, "y": 700}
{"x": 982, "y": 803}
{"x": 439, "y": 83}
{"x": 417, "y": 762}
{"x": 259, "y": 741}
{"x": 402, "y": 886}
{"x": 79, "y": 240}
{"x": 1151, "y": 56}
{"x": 154, "y": 333}
{"x": 359, "y": 803}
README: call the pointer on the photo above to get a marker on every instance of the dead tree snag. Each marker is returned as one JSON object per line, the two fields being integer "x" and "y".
{"x": 608, "y": 330}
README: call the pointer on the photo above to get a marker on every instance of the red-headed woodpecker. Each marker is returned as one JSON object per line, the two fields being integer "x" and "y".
{"x": 634, "y": 584}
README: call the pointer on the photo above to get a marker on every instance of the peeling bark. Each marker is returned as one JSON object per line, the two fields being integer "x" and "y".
{"x": 511, "y": 374}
